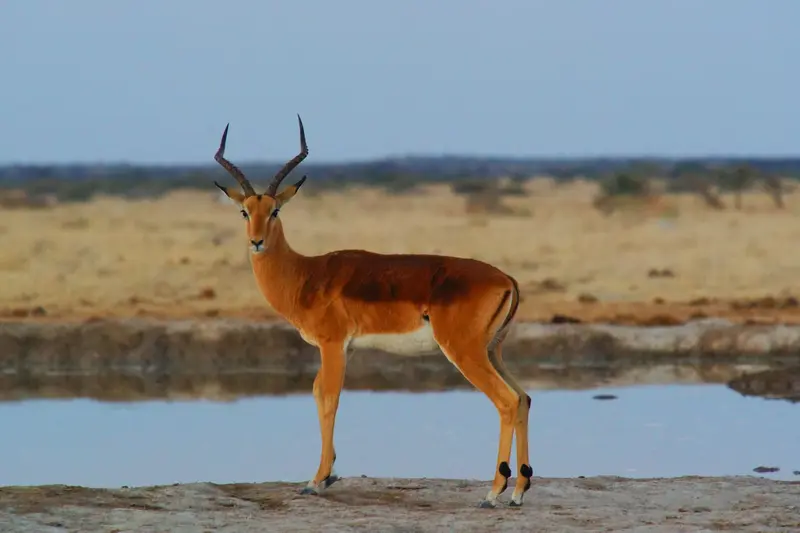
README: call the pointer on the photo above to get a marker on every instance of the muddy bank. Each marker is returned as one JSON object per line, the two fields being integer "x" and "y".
{"x": 361, "y": 504}
{"x": 227, "y": 358}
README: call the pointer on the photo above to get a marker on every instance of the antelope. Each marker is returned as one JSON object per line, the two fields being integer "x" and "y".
{"x": 401, "y": 303}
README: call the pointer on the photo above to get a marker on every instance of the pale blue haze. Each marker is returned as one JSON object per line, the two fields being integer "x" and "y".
{"x": 153, "y": 81}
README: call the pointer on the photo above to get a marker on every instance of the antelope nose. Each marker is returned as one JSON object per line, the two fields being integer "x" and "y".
{"x": 257, "y": 244}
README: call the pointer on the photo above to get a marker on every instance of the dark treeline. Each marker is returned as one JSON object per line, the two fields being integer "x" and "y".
{"x": 80, "y": 181}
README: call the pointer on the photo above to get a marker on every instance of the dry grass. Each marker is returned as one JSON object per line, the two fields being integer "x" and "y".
{"x": 185, "y": 253}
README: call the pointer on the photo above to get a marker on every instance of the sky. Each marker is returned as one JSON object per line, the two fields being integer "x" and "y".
{"x": 155, "y": 82}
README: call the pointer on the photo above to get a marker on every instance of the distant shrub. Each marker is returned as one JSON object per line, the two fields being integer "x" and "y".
{"x": 486, "y": 196}
{"x": 471, "y": 186}
{"x": 399, "y": 184}
{"x": 626, "y": 184}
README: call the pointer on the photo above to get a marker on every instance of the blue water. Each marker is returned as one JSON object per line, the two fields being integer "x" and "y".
{"x": 648, "y": 431}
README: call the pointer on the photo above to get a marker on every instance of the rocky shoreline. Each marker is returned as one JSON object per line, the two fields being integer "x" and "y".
{"x": 148, "y": 358}
{"x": 742, "y": 503}
{"x": 242, "y": 343}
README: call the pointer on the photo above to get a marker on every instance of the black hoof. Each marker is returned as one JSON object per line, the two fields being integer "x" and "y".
{"x": 309, "y": 490}
{"x": 486, "y": 504}
{"x": 514, "y": 504}
{"x": 330, "y": 480}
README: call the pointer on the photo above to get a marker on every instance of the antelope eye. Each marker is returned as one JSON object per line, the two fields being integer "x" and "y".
{"x": 244, "y": 213}
{"x": 275, "y": 213}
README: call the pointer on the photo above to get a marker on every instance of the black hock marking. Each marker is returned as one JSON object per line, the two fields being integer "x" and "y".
{"x": 527, "y": 472}
{"x": 504, "y": 471}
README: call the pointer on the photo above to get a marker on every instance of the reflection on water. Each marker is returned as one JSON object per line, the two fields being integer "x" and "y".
{"x": 657, "y": 430}
{"x": 777, "y": 383}
{"x": 775, "y": 378}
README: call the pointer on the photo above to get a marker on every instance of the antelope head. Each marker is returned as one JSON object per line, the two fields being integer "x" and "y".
{"x": 260, "y": 211}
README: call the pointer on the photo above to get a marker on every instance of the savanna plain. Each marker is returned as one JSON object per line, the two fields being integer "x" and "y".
{"x": 183, "y": 255}
{"x": 665, "y": 260}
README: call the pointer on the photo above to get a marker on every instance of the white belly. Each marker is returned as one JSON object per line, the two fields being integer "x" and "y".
{"x": 417, "y": 342}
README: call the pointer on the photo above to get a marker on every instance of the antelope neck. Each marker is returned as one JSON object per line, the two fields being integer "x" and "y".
{"x": 276, "y": 271}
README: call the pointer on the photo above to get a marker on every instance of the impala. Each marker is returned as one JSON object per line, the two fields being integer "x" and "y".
{"x": 401, "y": 303}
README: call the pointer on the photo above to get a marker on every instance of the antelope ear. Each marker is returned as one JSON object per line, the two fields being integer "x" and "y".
{"x": 288, "y": 193}
{"x": 235, "y": 196}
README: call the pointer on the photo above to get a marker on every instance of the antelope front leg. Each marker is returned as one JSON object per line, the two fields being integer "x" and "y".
{"x": 327, "y": 389}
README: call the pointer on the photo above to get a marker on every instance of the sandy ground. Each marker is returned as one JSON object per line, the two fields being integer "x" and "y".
{"x": 688, "y": 504}
{"x": 184, "y": 255}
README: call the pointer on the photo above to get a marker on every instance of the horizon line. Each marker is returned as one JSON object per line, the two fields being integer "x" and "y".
{"x": 413, "y": 156}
